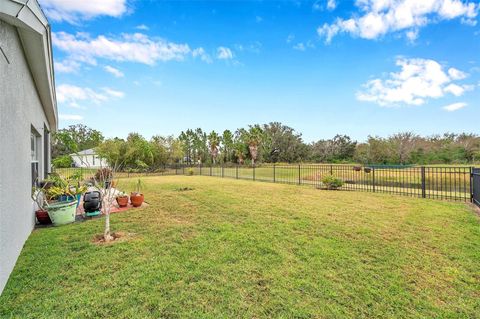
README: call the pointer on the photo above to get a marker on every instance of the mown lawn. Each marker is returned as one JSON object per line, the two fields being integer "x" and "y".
{"x": 240, "y": 249}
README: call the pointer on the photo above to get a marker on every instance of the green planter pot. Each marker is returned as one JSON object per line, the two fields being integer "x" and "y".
{"x": 62, "y": 213}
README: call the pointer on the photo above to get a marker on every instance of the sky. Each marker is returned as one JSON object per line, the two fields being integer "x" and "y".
{"x": 364, "y": 67}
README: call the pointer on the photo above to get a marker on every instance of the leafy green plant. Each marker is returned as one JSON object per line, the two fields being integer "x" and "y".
{"x": 332, "y": 182}
{"x": 139, "y": 186}
{"x": 62, "y": 162}
{"x": 190, "y": 172}
{"x": 121, "y": 195}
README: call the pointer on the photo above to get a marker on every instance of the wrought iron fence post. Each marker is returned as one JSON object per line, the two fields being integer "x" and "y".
{"x": 471, "y": 184}
{"x": 223, "y": 171}
{"x": 253, "y": 171}
{"x": 81, "y": 172}
{"x": 299, "y": 178}
{"x": 183, "y": 169}
{"x": 210, "y": 170}
{"x": 200, "y": 169}
{"x": 176, "y": 169}
{"x": 373, "y": 179}
{"x": 331, "y": 169}
{"x": 236, "y": 171}
{"x": 424, "y": 193}
{"x": 274, "y": 179}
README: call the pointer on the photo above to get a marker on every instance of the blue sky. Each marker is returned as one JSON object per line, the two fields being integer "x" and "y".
{"x": 365, "y": 67}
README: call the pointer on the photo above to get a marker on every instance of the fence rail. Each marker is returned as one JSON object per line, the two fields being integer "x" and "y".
{"x": 451, "y": 183}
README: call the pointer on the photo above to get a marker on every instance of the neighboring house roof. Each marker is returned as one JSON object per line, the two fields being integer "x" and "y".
{"x": 34, "y": 32}
{"x": 90, "y": 151}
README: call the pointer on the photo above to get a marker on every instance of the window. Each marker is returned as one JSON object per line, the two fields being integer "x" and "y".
{"x": 34, "y": 143}
{"x": 46, "y": 151}
{"x": 33, "y": 147}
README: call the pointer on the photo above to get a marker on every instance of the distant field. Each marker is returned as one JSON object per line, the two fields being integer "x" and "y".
{"x": 238, "y": 249}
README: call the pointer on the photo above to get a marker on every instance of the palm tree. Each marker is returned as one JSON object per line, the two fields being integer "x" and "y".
{"x": 239, "y": 148}
{"x": 227, "y": 141}
{"x": 213, "y": 143}
{"x": 253, "y": 138}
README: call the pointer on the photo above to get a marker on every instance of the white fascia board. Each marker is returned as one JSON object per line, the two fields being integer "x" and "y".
{"x": 34, "y": 33}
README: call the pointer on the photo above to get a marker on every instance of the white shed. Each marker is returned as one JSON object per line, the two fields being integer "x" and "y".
{"x": 88, "y": 158}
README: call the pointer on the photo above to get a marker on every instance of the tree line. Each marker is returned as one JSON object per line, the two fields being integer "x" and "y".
{"x": 267, "y": 143}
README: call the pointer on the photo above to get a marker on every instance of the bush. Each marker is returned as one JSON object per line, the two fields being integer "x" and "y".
{"x": 332, "y": 182}
{"x": 62, "y": 162}
{"x": 103, "y": 175}
{"x": 190, "y": 171}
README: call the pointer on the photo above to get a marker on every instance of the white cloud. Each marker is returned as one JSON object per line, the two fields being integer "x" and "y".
{"x": 67, "y": 66}
{"x": 331, "y": 4}
{"x": 204, "y": 56}
{"x": 322, "y": 4}
{"x": 116, "y": 72}
{"x": 379, "y": 17}
{"x": 113, "y": 93}
{"x": 224, "y": 53}
{"x": 299, "y": 46}
{"x": 254, "y": 47}
{"x": 290, "y": 38}
{"x": 417, "y": 81}
{"x": 135, "y": 47}
{"x": 71, "y": 95}
{"x": 74, "y": 10}
{"x": 70, "y": 117}
{"x": 454, "y": 107}
{"x": 457, "y": 74}
{"x": 454, "y": 89}
{"x": 412, "y": 35}
{"x": 142, "y": 27}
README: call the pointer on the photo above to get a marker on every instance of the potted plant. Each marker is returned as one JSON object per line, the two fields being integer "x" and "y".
{"x": 122, "y": 199}
{"x": 357, "y": 168}
{"x": 61, "y": 202}
{"x": 75, "y": 187}
{"x": 367, "y": 170}
{"x": 136, "y": 197}
{"x": 41, "y": 213}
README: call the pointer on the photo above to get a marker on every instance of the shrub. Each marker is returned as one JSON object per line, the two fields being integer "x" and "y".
{"x": 190, "y": 171}
{"x": 103, "y": 175}
{"x": 332, "y": 182}
{"x": 62, "y": 162}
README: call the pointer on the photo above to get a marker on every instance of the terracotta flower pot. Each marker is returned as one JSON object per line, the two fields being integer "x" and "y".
{"x": 136, "y": 199}
{"x": 122, "y": 201}
{"x": 42, "y": 217}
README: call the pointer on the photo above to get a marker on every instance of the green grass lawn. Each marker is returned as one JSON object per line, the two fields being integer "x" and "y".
{"x": 241, "y": 249}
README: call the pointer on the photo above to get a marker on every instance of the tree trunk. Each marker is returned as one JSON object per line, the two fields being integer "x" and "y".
{"x": 106, "y": 234}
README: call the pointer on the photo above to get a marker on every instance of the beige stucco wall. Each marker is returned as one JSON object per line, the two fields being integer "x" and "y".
{"x": 20, "y": 109}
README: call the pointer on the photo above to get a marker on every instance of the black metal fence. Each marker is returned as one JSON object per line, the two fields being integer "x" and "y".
{"x": 448, "y": 182}
{"x": 476, "y": 186}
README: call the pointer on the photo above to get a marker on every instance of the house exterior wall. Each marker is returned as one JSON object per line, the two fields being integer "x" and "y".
{"x": 88, "y": 161}
{"x": 21, "y": 112}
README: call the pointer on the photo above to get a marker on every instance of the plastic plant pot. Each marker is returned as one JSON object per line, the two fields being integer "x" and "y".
{"x": 122, "y": 201}
{"x": 136, "y": 199}
{"x": 93, "y": 214}
{"x": 62, "y": 213}
{"x": 42, "y": 217}
{"x": 79, "y": 196}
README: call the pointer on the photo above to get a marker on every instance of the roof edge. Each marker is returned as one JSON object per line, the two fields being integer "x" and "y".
{"x": 35, "y": 35}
